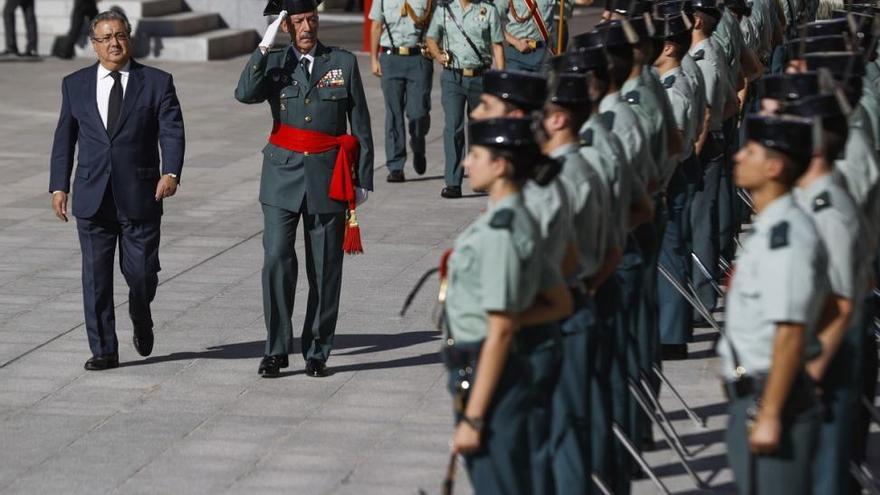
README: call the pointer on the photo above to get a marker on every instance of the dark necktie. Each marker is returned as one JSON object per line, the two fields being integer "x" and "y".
{"x": 114, "y": 106}
{"x": 305, "y": 65}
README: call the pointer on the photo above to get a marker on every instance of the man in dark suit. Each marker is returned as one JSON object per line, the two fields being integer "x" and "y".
{"x": 117, "y": 111}
{"x": 315, "y": 95}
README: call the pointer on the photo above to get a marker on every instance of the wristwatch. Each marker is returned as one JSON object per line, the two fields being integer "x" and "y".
{"x": 173, "y": 176}
{"x": 475, "y": 423}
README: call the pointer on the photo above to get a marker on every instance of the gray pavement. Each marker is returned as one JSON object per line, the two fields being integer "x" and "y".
{"x": 195, "y": 417}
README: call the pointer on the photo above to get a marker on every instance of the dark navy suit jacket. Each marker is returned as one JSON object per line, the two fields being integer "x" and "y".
{"x": 150, "y": 119}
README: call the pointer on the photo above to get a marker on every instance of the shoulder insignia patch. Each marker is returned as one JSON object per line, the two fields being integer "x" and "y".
{"x": 699, "y": 55}
{"x": 587, "y": 138}
{"x": 822, "y": 201}
{"x": 632, "y": 97}
{"x": 607, "y": 119}
{"x": 502, "y": 219}
{"x": 668, "y": 82}
{"x": 779, "y": 235}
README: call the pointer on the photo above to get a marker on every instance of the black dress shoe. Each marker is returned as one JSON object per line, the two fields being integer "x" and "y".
{"x": 396, "y": 176}
{"x": 105, "y": 362}
{"x": 316, "y": 368}
{"x": 451, "y": 192}
{"x": 142, "y": 338}
{"x": 420, "y": 164}
{"x": 270, "y": 366}
{"x": 29, "y": 54}
{"x": 674, "y": 352}
{"x": 9, "y": 53}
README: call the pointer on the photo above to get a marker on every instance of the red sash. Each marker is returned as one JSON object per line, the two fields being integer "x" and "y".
{"x": 342, "y": 181}
{"x": 539, "y": 23}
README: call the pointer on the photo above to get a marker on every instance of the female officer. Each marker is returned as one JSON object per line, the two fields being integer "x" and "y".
{"x": 496, "y": 273}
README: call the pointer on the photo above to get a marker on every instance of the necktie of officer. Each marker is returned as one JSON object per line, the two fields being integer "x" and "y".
{"x": 305, "y": 65}
{"x": 114, "y": 106}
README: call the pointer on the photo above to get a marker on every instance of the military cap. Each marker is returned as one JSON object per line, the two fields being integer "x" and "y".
{"x": 629, "y": 8}
{"x": 826, "y": 27}
{"x": 787, "y": 134}
{"x": 788, "y": 86}
{"x": 675, "y": 7}
{"x": 711, "y": 7}
{"x": 830, "y": 43}
{"x": 617, "y": 33}
{"x": 502, "y": 133}
{"x": 589, "y": 39}
{"x": 570, "y": 89}
{"x": 870, "y": 10}
{"x": 581, "y": 60}
{"x": 842, "y": 65}
{"x": 826, "y": 106}
{"x": 526, "y": 90}
{"x": 293, "y": 7}
{"x": 643, "y": 25}
{"x": 739, "y": 6}
{"x": 672, "y": 26}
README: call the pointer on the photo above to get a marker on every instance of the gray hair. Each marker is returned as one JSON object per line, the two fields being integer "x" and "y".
{"x": 114, "y": 14}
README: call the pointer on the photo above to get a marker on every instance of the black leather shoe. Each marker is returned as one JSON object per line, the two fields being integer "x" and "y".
{"x": 142, "y": 338}
{"x": 451, "y": 192}
{"x": 270, "y": 366}
{"x": 105, "y": 362}
{"x": 29, "y": 54}
{"x": 420, "y": 164}
{"x": 316, "y": 368}
{"x": 396, "y": 176}
{"x": 9, "y": 53}
{"x": 674, "y": 352}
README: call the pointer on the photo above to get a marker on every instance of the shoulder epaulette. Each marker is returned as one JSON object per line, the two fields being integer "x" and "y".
{"x": 822, "y": 201}
{"x": 668, "y": 82}
{"x": 632, "y": 97}
{"x": 502, "y": 219}
{"x": 699, "y": 54}
{"x": 779, "y": 235}
{"x": 587, "y": 138}
{"x": 607, "y": 119}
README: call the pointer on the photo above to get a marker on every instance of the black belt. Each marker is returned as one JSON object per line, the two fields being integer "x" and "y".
{"x": 800, "y": 396}
{"x": 458, "y": 356}
{"x": 469, "y": 72}
{"x": 403, "y": 51}
{"x": 528, "y": 338}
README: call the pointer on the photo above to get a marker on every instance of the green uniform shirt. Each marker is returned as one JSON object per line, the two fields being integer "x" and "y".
{"x": 527, "y": 29}
{"x": 859, "y": 172}
{"x": 403, "y": 31}
{"x": 481, "y": 23}
{"x": 681, "y": 98}
{"x": 698, "y": 86}
{"x": 757, "y": 29}
{"x": 729, "y": 41}
{"x": 870, "y": 100}
{"x": 780, "y": 278}
{"x": 588, "y": 201}
{"x": 619, "y": 118}
{"x": 496, "y": 266}
{"x": 551, "y": 208}
{"x": 714, "y": 75}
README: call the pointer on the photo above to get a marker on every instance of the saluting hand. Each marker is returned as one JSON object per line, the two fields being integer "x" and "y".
{"x": 166, "y": 187}
{"x": 59, "y": 205}
{"x": 466, "y": 439}
{"x": 765, "y": 435}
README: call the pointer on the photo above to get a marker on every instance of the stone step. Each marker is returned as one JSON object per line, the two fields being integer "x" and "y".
{"x": 210, "y": 45}
{"x": 179, "y": 24}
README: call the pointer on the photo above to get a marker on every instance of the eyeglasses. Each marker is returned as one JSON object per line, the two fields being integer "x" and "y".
{"x": 120, "y": 37}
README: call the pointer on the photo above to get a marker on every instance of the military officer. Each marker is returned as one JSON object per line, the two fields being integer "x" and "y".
{"x": 397, "y": 34}
{"x": 516, "y": 94}
{"x": 773, "y": 308}
{"x": 314, "y": 93}
{"x": 840, "y": 226}
{"x": 465, "y": 37}
{"x": 675, "y": 313}
{"x": 709, "y": 148}
{"x": 528, "y": 33}
{"x": 496, "y": 271}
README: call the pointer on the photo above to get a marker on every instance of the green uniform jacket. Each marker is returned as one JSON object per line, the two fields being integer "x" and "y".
{"x": 329, "y": 102}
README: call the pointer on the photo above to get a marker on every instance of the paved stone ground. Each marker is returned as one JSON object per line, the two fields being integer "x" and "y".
{"x": 195, "y": 417}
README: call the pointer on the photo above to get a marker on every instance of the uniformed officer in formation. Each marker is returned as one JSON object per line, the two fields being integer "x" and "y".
{"x": 465, "y": 37}
{"x": 528, "y": 32}
{"x": 315, "y": 95}
{"x": 396, "y": 56}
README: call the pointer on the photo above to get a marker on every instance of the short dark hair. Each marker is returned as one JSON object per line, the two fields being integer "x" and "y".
{"x": 620, "y": 62}
{"x": 576, "y": 114}
{"x": 114, "y": 14}
{"x": 681, "y": 42}
{"x": 710, "y": 22}
{"x": 521, "y": 158}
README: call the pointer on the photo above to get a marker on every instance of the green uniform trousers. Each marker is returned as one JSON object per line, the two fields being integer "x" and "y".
{"x": 323, "y": 244}
{"x": 406, "y": 84}
{"x": 458, "y": 95}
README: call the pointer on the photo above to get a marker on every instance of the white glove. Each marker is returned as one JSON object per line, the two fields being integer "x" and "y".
{"x": 360, "y": 196}
{"x": 271, "y": 31}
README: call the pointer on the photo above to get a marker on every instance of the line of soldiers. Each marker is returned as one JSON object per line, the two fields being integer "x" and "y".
{"x": 618, "y": 181}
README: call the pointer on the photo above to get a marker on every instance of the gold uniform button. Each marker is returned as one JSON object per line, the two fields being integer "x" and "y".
{"x": 308, "y": 101}
{"x": 306, "y": 153}
{"x": 308, "y": 118}
{"x": 283, "y": 106}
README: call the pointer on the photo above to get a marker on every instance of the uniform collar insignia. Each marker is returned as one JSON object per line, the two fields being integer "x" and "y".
{"x": 607, "y": 119}
{"x": 779, "y": 235}
{"x": 632, "y": 97}
{"x": 668, "y": 82}
{"x": 699, "y": 54}
{"x": 822, "y": 201}
{"x": 587, "y": 138}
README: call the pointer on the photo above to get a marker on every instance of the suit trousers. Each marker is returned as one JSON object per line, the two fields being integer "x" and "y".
{"x": 138, "y": 242}
{"x": 675, "y": 314}
{"x": 30, "y": 20}
{"x": 406, "y": 83}
{"x": 324, "y": 235}
{"x": 704, "y": 228}
{"x": 459, "y": 95}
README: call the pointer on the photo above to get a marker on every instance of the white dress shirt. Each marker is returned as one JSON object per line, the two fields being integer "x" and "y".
{"x": 105, "y": 84}
{"x": 309, "y": 56}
